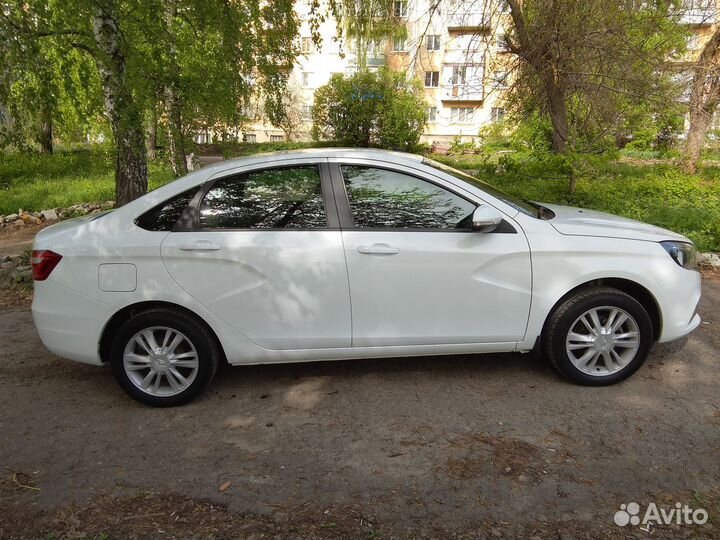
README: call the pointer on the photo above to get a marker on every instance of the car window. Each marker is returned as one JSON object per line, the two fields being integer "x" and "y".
{"x": 381, "y": 198}
{"x": 289, "y": 197}
{"x": 163, "y": 216}
{"x": 527, "y": 208}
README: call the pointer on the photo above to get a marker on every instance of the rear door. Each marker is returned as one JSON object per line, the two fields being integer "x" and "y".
{"x": 262, "y": 250}
{"x": 418, "y": 274}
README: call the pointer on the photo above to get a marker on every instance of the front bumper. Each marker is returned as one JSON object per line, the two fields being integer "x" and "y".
{"x": 68, "y": 322}
{"x": 678, "y": 296}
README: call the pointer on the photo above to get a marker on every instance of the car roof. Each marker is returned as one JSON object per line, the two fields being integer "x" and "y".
{"x": 361, "y": 153}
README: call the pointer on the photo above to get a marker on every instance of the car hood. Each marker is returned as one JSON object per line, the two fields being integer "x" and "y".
{"x": 581, "y": 222}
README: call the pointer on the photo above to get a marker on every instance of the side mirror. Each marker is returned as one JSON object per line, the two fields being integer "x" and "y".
{"x": 485, "y": 219}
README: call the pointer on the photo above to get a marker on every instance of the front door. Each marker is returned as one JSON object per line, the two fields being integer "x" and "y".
{"x": 262, "y": 255}
{"x": 418, "y": 274}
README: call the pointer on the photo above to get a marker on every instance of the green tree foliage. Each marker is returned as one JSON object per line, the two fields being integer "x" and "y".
{"x": 190, "y": 63}
{"x": 593, "y": 66}
{"x": 47, "y": 90}
{"x": 370, "y": 109}
{"x": 212, "y": 57}
{"x": 367, "y": 23}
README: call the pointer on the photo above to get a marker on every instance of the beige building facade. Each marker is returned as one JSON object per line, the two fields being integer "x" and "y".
{"x": 455, "y": 48}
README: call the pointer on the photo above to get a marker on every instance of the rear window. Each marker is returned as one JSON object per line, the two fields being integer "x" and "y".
{"x": 164, "y": 216}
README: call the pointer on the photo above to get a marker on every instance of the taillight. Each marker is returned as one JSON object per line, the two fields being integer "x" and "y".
{"x": 43, "y": 262}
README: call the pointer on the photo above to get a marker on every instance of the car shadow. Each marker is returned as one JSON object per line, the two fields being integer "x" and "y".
{"x": 489, "y": 365}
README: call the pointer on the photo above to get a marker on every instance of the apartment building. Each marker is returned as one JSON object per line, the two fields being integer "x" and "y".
{"x": 455, "y": 48}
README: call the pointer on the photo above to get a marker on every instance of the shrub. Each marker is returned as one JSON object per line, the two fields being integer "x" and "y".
{"x": 370, "y": 109}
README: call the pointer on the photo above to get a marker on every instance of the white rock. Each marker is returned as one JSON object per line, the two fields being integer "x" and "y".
{"x": 710, "y": 259}
{"x": 11, "y": 217}
{"x": 49, "y": 215}
{"x": 19, "y": 223}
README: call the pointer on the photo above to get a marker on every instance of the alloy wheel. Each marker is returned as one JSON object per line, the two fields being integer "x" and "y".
{"x": 603, "y": 340}
{"x": 160, "y": 361}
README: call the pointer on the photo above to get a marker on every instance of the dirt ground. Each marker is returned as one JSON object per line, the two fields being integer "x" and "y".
{"x": 444, "y": 447}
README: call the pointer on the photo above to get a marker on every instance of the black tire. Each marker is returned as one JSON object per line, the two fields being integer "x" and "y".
{"x": 561, "y": 321}
{"x": 202, "y": 340}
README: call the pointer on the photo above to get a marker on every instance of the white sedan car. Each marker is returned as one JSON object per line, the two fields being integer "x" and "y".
{"x": 335, "y": 254}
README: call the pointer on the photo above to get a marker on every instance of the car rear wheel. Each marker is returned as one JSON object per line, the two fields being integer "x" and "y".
{"x": 164, "y": 358}
{"x": 599, "y": 336}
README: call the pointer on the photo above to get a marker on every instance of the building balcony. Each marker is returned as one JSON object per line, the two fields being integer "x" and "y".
{"x": 472, "y": 54}
{"x": 375, "y": 61}
{"x": 462, "y": 92}
{"x": 372, "y": 62}
{"x": 699, "y": 16}
{"x": 462, "y": 21}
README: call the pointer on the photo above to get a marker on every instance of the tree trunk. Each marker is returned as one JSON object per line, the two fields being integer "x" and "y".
{"x": 125, "y": 118}
{"x": 172, "y": 98}
{"x": 540, "y": 58}
{"x": 558, "y": 117}
{"x": 699, "y": 122}
{"x": 45, "y": 136}
{"x": 152, "y": 134}
{"x": 704, "y": 99}
{"x": 175, "y": 137}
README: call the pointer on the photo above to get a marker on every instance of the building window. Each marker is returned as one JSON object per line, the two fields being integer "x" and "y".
{"x": 432, "y": 79}
{"x": 249, "y": 137}
{"x": 400, "y": 8}
{"x": 432, "y": 42}
{"x": 399, "y": 44}
{"x": 276, "y": 138}
{"x": 499, "y": 80}
{"x": 461, "y": 115}
{"x": 497, "y": 114}
{"x": 306, "y": 45}
{"x": 431, "y": 114}
{"x": 307, "y": 112}
{"x": 305, "y": 79}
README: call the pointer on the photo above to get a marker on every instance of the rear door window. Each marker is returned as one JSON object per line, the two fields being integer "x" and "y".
{"x": 281, "y": 198}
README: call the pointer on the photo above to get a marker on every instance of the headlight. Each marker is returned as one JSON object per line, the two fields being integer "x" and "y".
{"x": 682, "y": 253}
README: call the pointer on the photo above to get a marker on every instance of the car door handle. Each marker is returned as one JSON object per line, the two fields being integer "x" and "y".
{"x": 378, "y": 249}
{"x": 200, "y": 245}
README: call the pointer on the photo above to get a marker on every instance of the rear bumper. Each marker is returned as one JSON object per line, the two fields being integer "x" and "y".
{"x": 678, "y": 296}
{"x": 68, "y": 322}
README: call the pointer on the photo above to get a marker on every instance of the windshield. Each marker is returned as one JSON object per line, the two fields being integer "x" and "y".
{"x": 526, "y": 207}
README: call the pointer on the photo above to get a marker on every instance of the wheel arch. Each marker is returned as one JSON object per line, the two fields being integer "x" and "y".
{"x": 629, "y": 287}
{"x": 132, "y": 310}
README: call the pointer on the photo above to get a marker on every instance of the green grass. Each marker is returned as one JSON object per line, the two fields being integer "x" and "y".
{"x": 657, "y": 194}
{"x": 35, "y": 182}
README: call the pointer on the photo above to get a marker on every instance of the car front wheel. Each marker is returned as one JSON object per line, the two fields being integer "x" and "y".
{"x": 164, "y": 358}
{"x": 599, "y": 336}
